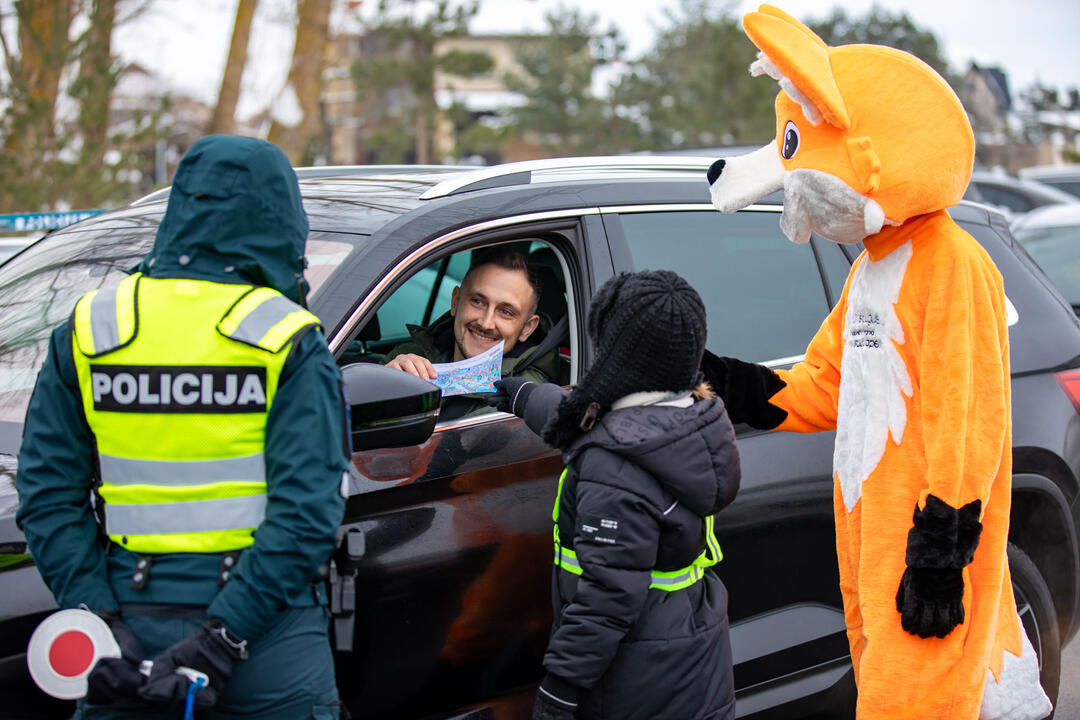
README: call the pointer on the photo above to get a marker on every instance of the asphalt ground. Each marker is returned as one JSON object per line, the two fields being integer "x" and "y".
{"x": 1068, "y": 704}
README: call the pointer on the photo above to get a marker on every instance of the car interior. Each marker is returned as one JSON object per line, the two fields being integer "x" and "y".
{"x": 425, "y": 297}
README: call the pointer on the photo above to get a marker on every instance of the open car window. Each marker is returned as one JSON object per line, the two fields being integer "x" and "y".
{"x": 423, "y": 301}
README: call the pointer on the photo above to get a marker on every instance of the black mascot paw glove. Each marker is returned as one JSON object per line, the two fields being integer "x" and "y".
{"x": 555, "y": 700}
{"x": 511, "y": 394}
{"x": 212, "y": 650}
{"x": 940, "y": 545}
{"x": 745, "y": 389}
{"x": 114, "y": 679}
{"x": 930, "y": 601}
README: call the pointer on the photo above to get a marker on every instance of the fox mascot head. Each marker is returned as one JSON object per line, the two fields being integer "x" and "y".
{"x": 866, "y": 136}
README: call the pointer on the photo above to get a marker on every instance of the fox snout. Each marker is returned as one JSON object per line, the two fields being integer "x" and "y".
{"x": 715, "y": 169}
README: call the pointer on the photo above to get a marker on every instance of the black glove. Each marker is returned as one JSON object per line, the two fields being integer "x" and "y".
{"x": 115, "y": 679}
{"x": 212, "y": 649}
{"x": 745, "y": 389}
{"x": 511, "y": 394}
{"x": 555, "y": 700}
{"x": 547, "y": 709}
{"x": 940, "y": 544}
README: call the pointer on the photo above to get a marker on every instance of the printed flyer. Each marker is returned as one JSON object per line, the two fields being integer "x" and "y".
{"x": 472, "y": 375}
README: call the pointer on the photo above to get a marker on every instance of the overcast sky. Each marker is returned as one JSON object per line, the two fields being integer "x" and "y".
{"x": 186, "y": 40}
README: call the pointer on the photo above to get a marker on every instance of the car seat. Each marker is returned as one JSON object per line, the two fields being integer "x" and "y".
{"x": 552, "y": 305}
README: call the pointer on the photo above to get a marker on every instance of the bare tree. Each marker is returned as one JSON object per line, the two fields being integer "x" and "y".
{"x": 225, "y": 110}
{"x": 295, "y": 126}
{"x": 92, "y": 89}
{"x": 50, "y": 161}
{"x": 34, "y": 72}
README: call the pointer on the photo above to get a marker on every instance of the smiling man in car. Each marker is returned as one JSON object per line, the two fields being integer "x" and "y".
{"x": 496, "y": 301}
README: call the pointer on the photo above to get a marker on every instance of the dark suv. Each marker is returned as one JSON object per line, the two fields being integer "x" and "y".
{"x": 446, "y": 543}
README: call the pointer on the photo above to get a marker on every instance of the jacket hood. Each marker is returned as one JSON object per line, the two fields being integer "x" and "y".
{"x": 234, "y": 215}
{"x": 691, "y": 451}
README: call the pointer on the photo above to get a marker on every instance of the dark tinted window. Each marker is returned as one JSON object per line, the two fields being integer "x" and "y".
{"x": 763, "y": 293}
{"x": 834, "y": 265}
{"x": 1070, "y": 186}
{"x": 1054, "y": 249}
{"x": 39, "y": 289}
{"x": 1001, "y": 197}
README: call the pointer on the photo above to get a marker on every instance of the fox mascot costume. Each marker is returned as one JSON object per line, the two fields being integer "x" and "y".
{"x": 911, "y": 368}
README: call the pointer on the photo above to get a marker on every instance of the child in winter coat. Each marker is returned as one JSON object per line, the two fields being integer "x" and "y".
{"x": 640, "y": 628}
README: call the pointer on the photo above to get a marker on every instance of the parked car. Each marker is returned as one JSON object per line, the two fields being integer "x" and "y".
{"x": 1062, "y": 177}
{"x": 447, "y": 534}
{"x": 1051, "y": 235}
{"x": 1014, "y": 196}
{"x": 12, "y": 244}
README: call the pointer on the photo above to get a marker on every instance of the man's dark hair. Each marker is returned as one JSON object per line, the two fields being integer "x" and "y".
{"x": 508, "y": 258}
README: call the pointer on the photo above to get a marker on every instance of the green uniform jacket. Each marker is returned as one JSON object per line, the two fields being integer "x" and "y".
{"x": 436, "y": 341}
{"x": 234, "y": 216}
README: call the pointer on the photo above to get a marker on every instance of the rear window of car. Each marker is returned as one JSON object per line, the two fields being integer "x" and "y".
{"x": 39, "y": 289}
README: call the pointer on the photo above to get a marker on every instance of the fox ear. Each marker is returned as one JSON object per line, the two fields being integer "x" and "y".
{"x": 866, "y": 163}
{"x": 802, "y": 57}
{"x": 778, "y": 13}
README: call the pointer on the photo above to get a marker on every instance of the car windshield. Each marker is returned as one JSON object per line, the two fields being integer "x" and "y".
{"x": 1057, "y": 251}
{"x": 39, "y": 288}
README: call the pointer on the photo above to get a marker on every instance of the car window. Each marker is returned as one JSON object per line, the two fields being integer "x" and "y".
{"x": 1054, "y": 250}
{"x": 834, "y": 265}
{"x": 999, "y": 196}
{"x": 39, "y": 289}
{"x": 1070, "y": 186}
{"x": 763, "y": 293}
{"x": 423, "y": 298}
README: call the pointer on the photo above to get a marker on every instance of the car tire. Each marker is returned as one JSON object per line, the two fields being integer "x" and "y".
{"x": 1038, "y": 617}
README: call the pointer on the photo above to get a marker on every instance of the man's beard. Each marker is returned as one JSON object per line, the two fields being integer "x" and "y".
{"x": 460, "y": 341}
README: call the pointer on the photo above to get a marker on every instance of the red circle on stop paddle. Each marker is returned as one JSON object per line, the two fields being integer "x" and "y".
{"x": 71, "y": 653}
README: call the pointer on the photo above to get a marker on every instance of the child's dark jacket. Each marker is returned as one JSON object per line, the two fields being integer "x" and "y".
{"x": 638, "y": 488}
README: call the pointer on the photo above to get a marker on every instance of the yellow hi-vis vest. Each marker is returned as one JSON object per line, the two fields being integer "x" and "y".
{"x": 667, "y": 580}
{"x": 177, "y": 378}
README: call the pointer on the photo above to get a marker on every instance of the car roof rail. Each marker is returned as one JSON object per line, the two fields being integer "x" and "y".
{"x": 520, "y": 173}
{"x": 314, "y": 172}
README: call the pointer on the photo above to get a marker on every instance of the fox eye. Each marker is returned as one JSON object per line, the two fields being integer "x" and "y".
{"x": 791, "y": 141}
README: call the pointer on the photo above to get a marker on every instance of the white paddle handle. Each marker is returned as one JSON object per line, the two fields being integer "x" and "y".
{"x": 190, "y": 673}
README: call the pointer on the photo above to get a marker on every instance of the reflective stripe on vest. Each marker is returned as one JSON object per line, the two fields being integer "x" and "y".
{"x": 178, "y": 403}
{"x": 264, "y": 318}
{"x": 234, "y": 513}
{"x": 667, "y": 580}
{"x": 107, "y": 319}
{"x": 130, "y": 471}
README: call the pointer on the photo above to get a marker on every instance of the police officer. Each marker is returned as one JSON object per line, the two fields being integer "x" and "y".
{"x": 183, "y": 453}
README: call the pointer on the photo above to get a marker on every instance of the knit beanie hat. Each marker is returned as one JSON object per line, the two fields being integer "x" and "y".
{"x": 648, "y": 328}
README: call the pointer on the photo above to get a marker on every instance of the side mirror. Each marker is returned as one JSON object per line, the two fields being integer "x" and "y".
{"x": 389, "y": 408}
